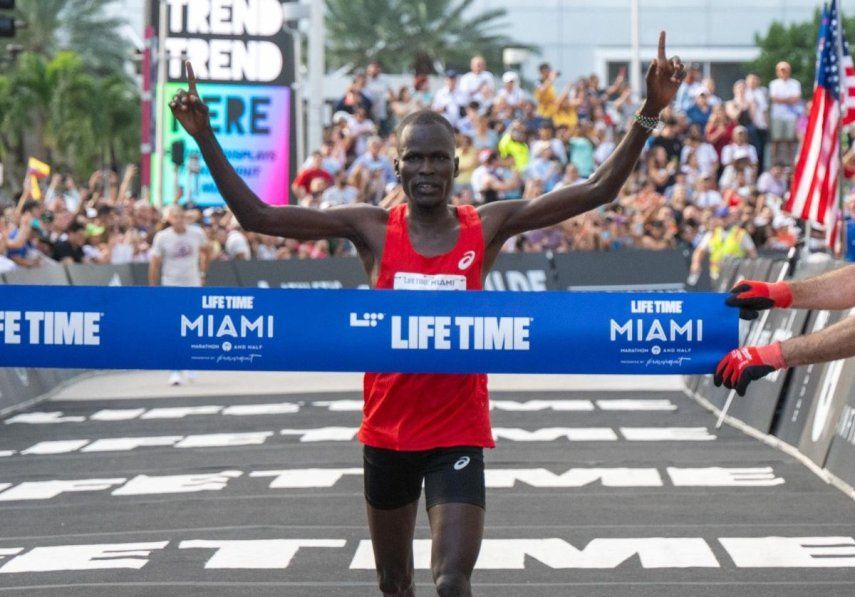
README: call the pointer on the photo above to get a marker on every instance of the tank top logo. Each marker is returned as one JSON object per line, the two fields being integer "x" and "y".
{"x": 468, "y": 258}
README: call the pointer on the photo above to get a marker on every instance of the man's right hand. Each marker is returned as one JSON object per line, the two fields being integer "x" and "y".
{"x": 752, "y": 296}
{"x": 188, "y": 108}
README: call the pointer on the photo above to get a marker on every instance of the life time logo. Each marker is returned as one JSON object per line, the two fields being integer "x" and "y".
{"x": 52, "y": 328}
{"x": 657, "y": 329}
{"x": 223, "y": 325}
{"x": 436, "y": 332}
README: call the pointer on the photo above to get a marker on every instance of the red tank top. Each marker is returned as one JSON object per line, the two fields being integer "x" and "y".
{"x": 423, "y": 411}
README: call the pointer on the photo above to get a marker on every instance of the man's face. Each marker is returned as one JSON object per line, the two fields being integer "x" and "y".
{"x": 783, "y": 70}
{"x": 477, "y": 64}
{"x": 177, "y": 219}
{"x": 373, "y": 69}
{"x": 427, "y": 165}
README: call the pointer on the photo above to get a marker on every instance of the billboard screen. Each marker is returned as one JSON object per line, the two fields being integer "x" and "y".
{"x": 245, "y": 66}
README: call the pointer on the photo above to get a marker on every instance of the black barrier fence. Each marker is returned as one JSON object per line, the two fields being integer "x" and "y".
{"x": 619, "y": 270}
{"x": 811, "y": 408}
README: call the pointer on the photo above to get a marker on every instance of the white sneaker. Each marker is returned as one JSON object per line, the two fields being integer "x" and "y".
{"x": 175, "y": 378}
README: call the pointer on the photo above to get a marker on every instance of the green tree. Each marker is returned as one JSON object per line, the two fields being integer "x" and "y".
{"x": 59, "y": 111}
{"x": 418, "y": 35}
{"x": 796, "y": 44}
{"x": 79, "y": 25}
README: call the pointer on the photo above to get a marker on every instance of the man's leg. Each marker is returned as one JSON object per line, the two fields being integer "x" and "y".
{"x": 456, "y": 531}
{"x": 392, "y": 537}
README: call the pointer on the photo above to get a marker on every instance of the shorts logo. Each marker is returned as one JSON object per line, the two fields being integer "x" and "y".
{"x": 461, "y": 464}
{"x": 468, "y": 258}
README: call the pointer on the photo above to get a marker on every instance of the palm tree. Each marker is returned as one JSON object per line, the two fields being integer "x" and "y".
{"x": 420, "y": 35}
{"x": 58, "y": 111}
{"x": 79, "y": 25}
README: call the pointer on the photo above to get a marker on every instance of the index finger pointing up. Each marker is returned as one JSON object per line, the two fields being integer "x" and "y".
{"x": 191, "y": 77}
{"x": 662, "y": 55}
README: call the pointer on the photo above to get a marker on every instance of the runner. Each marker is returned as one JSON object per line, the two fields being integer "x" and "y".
{"x": 431, "y": 427}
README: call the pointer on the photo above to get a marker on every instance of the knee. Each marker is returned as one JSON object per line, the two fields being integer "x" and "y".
{"x": 453, "y": 584}
{"x": 396, "y": 584}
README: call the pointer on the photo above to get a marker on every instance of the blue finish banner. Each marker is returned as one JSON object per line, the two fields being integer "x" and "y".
{"x": 364, "y": 330}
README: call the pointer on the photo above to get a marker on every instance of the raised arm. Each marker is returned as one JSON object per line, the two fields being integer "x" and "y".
{"x": 507, "y": 218}
{"x": 351, "y": 222}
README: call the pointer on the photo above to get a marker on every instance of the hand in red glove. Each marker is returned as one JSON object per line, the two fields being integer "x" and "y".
{"x": 752, "y": 296}
{"x": 743, "y": 365}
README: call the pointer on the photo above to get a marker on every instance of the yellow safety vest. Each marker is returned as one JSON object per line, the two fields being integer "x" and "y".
{"x": 721, "y": 247}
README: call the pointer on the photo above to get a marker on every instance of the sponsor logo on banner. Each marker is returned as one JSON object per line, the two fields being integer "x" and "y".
{"x": 224, "y": 327}
{"x": 656, "y": 332}
{"x": 52, "y": 328}
{"x": 429, "y": 332}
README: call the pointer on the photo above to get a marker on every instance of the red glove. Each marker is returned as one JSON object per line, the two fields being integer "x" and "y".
{"x": 752, "y": 296}
{"x": 743, "y": 365}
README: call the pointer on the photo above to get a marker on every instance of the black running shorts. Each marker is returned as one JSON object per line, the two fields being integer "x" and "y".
{"x": 451, "y": 475}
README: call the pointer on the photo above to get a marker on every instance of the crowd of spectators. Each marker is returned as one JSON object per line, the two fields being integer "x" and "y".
{"x": 714, "y": 163}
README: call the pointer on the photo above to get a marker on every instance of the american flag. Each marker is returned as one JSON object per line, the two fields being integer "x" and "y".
{"x": 815, "y": 192}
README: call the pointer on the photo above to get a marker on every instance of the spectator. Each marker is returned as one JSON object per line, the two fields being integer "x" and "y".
{"x": 774, "y": 181}
{"x": 511, "y": 93}
{"x": 474, "y": 81}
{"x": 467, "y": 156}
{"x": 513, "y": 144}
{"x": 237, "y": 244}
{"x": 785, "y": 94}
{"x": 544, "y": 93}
{"x": 739, "y": 142}
{"x": 726, "y": 238}
{"x": 450, "y": 100}
{"x": 582, "y": 148}
{"x": 70, "y": 250}
{"x": 341, "y": 193}
{"x": 302, "y": 183}
{"x": 719, "y": 130}
{"x": 704, "y": 153}
{"x": 483, "y": 137}
{"x": 700, "y": 111}
{"x": 687, "y": 91}
{"x": 758, "y": 102}
{"x": 354, "y": 98}
{"x": 546, "y": 138}
{"x": 378, "y": 91}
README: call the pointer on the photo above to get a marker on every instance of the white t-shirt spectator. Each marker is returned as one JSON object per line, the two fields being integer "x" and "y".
{"x": 237, "y": 246}
{"x": 704, "y": 153}
{"x": 760, "y": 98}
{"x": 336, "y": 195}
{"x": 513, "y": 98}
{"x": 788, "y": 89}
{"x": 179, "y": 254}
{"x": 732, "y": 151}
{"x": 471, "y": 83}
{"x": 770, "y": 185}
{"x": 710, "y": 198}
{"x": 448, "y": 102}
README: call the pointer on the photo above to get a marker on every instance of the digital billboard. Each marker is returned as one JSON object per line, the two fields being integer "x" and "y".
{"x": 244, "y": 64}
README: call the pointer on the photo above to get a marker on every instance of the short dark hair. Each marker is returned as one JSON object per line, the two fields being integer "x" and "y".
{"x": 30, "y": 205}
{"x": 424, "y": 117}
{"x": 75, "y": 226}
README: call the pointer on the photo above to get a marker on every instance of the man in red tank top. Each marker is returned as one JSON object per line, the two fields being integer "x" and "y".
{"x": 428, "y": 428}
